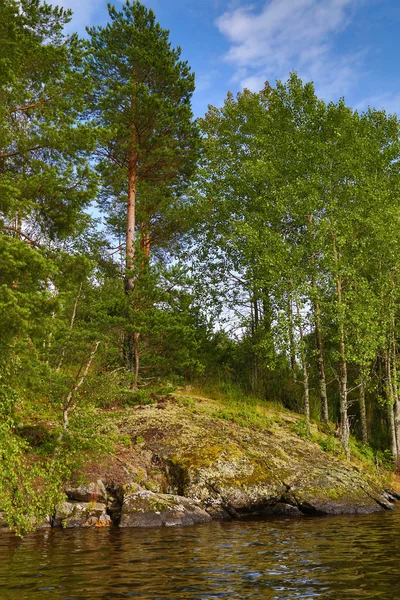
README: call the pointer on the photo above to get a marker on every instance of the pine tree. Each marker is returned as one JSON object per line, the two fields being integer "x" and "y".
{"x": 148, "y": 144}
{"x": 45, "y": 180}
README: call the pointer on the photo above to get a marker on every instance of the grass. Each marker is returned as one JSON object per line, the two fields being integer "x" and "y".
{"x": 227, "y": 402}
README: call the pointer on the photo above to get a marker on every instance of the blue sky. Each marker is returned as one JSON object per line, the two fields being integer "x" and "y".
{"x": 349, "y": 48}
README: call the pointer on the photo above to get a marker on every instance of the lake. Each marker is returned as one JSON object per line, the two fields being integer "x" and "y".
{"x": 312, "y": 557}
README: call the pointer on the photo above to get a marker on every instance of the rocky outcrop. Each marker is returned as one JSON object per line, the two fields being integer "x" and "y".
{"x": 188, "y": 463}
{"x": 128, "y": 505}
{"x": 190, "y": 466}
{"x": 234, "y": 470}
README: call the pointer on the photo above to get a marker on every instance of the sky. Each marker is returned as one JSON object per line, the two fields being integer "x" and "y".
{"x": 347, "y": 48}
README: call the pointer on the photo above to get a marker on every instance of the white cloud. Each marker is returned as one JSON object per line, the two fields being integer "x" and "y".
{"x": 288, "y": 35}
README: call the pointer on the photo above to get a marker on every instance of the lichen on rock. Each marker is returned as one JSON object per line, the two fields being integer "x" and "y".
{"x": 143, "y": 508}
{"x": 81, "y": 514}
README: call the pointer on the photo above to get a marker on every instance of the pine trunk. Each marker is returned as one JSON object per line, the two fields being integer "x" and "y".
{"x": 131, "y": 223}
{"x": 130, "y": 241}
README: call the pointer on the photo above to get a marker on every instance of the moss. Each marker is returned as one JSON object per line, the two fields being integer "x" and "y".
{"x": 202, "y": 445}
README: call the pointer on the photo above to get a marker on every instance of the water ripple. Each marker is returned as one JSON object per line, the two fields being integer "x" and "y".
{"x": 354, "y": 557}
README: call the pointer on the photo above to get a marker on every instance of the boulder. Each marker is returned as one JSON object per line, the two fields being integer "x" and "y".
{"x": 94, "y": 491}
{"x": 143, "y": 508}
{"x": 337, "y": 489}
{"x": 81, "y": 514}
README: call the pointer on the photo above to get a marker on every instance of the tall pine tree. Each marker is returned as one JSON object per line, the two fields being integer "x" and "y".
{"x": 148, "y": 143}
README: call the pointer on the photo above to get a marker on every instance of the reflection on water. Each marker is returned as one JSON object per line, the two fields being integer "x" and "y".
{"x": 333, "y": 557}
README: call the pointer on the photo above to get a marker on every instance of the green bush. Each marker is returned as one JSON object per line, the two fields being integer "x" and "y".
{"x": 137, "y": 397}
{"x": 327, "y": 444}
{"x": 8, "y": 400}
{"x": 300, "y": 428}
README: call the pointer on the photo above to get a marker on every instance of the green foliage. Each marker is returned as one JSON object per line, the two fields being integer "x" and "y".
{"x": 384, "y": 459}
{"x": 365, "y": 452}
{"x": 142, "y": 86}
{"x": 43, "y": 174}
{"x": 289, "y": 223}
{"x": 137, "y": 398}
{"x": 8, "y": 401}
{"x": 300, "y": 428}
{"x": 327, "y": 443}
{"x": 187, "y": 402}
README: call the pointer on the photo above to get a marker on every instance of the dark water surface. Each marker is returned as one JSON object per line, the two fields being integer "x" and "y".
{"x": 327, "y": 557}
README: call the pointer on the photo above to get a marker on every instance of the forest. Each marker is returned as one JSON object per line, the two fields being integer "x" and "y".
{"x": 255, "y": 249}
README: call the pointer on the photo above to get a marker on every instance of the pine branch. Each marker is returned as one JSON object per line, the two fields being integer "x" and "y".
{"x": 18, "y": 232}
{"x": 17, "y": 152}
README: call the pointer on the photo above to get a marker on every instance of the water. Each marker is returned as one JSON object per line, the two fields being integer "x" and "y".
{"x": 331, "y": 557}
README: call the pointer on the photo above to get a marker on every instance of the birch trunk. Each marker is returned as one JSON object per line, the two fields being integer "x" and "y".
{"x": 68, "y": 403}
{"x": 318, "y": 335}
{"x": 305, "y": 371}
{"x": 363, "y": 413}
{"x": 136, "y": 355}
{"x": 71, "y": 326}
{"x": 344, "y": 419}
{"x": 396, "y": 399}
{"x": 291, "y": 338}
{"x": 390, "y": 401}
{"x": 321, "y": 365}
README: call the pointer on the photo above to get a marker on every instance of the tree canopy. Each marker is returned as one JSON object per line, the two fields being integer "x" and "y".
{"x": 256, "y": 247}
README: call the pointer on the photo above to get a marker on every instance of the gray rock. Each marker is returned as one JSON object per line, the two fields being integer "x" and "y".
{"x": 81, "y": 514}
{"x": 45, "y": 524}
{"x": 142, "y": 508}
{"x": 394, "y": 494}
{"x": 94, "y": 491}
{"x": 233, "y": 488}
{"x": 281, "y": 508}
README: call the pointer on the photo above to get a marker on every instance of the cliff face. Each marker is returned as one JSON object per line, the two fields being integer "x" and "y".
{"x": 191, "y": 459}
